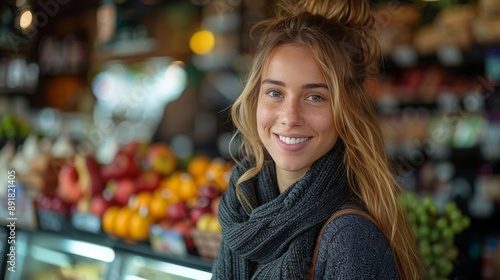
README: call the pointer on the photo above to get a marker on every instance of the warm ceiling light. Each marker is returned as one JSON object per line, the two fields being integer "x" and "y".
{"x": 202, "y": 42}
{"x": 25, "y": 19}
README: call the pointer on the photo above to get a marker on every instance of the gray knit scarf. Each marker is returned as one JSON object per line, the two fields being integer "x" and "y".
{"x": 277, "y": 240}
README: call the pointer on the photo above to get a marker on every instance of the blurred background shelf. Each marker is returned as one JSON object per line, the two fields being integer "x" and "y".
{"x": 90, "y": 77}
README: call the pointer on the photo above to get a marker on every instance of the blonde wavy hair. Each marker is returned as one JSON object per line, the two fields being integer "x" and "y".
{"x": 342, "y": 37}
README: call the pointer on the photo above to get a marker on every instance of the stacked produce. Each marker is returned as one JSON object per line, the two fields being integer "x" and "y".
{"x": 12, "y": 127}
{"x": 144, "y": 185}
{"x": 435, "y": 230}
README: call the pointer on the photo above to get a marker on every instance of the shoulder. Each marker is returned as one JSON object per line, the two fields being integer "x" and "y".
{"x": 353, "y": 245}
{"x": 351, "y": 227}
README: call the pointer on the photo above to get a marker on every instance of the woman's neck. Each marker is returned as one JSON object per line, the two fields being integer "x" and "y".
{"x": 287, "y": 178}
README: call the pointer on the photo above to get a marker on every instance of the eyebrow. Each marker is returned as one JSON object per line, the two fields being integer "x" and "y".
{"x": 306, "y": 86}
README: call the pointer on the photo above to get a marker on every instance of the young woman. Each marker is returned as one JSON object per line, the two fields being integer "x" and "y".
{"x": 311, "y": 145}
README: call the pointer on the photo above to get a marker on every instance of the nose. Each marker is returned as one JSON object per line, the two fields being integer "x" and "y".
{"x": 291, "y": 114}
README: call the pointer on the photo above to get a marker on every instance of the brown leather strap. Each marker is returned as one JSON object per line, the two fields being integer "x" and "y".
{"x": 320, "y": 235}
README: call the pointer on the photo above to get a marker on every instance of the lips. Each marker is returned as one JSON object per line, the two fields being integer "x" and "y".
{"x": 292, "y": 141}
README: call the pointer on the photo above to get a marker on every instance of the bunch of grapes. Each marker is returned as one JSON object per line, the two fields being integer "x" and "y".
{"x": 435, "y": 230}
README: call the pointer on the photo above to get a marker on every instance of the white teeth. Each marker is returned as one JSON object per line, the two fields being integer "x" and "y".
{"x": 292, "y": 141}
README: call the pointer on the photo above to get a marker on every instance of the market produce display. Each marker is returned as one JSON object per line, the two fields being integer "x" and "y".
{"x": 435, "y": 230}
{"x": 144, "y": 192}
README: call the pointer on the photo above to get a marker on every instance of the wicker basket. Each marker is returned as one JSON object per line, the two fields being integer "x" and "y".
{"x": 207, "y": 243}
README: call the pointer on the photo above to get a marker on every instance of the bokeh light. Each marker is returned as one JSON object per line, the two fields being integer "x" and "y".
{"x": 202, "y": 42}
{"x": 25, "y": 19}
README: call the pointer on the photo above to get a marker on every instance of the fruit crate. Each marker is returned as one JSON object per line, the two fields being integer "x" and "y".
{"x": 207, "y": 243}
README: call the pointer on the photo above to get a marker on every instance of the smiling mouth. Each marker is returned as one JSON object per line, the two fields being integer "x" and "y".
{"x": 293, "y": 141}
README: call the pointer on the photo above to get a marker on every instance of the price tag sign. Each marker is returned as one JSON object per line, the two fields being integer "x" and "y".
{"x": 86, "y": 222}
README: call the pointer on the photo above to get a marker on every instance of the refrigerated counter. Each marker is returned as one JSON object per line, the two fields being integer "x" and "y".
{"x": 50, "y": 255}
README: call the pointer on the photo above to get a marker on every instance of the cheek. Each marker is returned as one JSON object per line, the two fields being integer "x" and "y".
{"x": 323, "y": 124}
{"x": 264, "y": 116}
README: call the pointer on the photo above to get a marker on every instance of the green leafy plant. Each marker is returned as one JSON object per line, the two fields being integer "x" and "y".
{"x": 435, "y": 230}
{"x": 12, "y": 127}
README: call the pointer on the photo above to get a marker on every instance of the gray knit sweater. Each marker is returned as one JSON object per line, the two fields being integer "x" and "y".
{"x": 277, "y": 240}
{"x": 343, "y": 252}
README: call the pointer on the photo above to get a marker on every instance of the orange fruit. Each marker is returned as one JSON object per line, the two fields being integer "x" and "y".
{"x": 187, "y": 187}
{"x": 169, "y": 188}
{"x": 108, "y": 219}
{"x": 219, "y": 172}
{"x": 171, "y": 182}
{"x": 202, "y": 180}
{"x": 158, "y": 207}
{"x": 198, "y": 166}
{"x": 121, "y": 222}
{"x": 223, "y": 180}
{"x": 140, "y": 200}
{"x": 167, "y": 194}
{"x": 139, "y": 226}
{"x": 217, "y": 166}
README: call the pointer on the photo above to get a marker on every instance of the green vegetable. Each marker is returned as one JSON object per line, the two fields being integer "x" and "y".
{"x": 435, "y": 232}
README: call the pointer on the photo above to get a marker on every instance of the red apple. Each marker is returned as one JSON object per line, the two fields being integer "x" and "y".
{"x": 68, "y": 189}
{"x": 136, "y": 149}
{"x": 148, "y": 180}
{"x": 122, "y": 166}
{"x": 67, "y": 174}
{"x": 89, "y": 174}
{"x": 161, "y": 158}
{"x": 178, "y": 211}
{"x": 70, "y": 194}
{"x": 208, "y": 191}
{"x": 196, "y": 213}
{"x": 184, "y": 227}
{"x": 125, "y": 188}
{"x": 98, "y": 205}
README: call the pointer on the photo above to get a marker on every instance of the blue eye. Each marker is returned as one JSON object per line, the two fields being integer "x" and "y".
{"x": 273, "y": 93}
{"x": 316, "y": 98}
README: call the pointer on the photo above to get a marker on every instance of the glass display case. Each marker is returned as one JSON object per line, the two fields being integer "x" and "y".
{"x": 47, "y": 256}
{"x": 140, "y": 268}
{"x": 77, "y": 255}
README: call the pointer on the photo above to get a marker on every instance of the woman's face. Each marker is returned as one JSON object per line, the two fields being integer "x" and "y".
{"x": 294, "y": 113}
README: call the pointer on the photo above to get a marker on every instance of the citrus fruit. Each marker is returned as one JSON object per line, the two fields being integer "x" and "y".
{"x": 108, "y": 219}
{"x": 139, "y": 200}
{"x": 139, "y": 226}
{"x": 121, "y": 222}
{"x": 198, "y": 166}
{"x": 158, "y": 207}
{"x": 188, "y": 189}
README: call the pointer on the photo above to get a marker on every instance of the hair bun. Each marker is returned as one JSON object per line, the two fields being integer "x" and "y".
{"x": 355, "y": 16}
{"x": 351, "y": 13}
